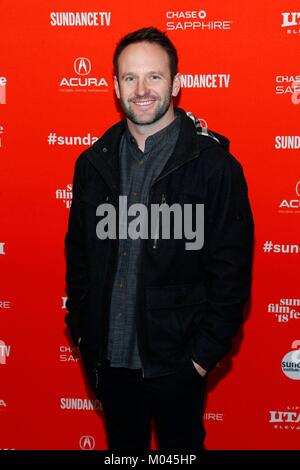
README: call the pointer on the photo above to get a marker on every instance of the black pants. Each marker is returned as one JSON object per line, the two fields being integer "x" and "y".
{"x": 174, "y": 401}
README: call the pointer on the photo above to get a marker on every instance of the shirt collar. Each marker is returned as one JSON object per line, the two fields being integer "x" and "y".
{"x": 154, "y": 139}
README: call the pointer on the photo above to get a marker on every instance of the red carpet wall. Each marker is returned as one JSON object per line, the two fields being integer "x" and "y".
{"x": 240, "y": 65}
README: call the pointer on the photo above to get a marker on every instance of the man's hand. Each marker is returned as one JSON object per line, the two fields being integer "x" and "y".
{"x": 199, "y": 369}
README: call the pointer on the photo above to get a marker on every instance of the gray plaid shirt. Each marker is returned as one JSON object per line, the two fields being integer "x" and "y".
{"x": 137, "y": 171}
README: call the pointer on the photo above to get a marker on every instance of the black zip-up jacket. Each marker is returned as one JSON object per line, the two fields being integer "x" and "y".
{"x": 190, "y": 302}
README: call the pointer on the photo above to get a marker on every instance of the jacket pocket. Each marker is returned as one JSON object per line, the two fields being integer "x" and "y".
{"x": 170, "y": 312}
{"x": 175, "y": 296}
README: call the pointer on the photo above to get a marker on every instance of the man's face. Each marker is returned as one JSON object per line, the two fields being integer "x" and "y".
{"x": 144, "y": 87}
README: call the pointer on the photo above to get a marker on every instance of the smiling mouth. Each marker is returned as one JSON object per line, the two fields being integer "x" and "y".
{"x": 144, "y": 103}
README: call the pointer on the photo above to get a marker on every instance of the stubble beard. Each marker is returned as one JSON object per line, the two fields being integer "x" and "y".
{"x": 160, "y": 111}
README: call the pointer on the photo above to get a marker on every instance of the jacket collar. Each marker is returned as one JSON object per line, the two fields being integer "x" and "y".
{"x": 104, "y": 153}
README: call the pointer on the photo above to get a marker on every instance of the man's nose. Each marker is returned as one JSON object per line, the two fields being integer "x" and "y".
{"x": 141, "y": 88}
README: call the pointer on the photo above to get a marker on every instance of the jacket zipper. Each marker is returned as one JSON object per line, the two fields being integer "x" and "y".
{"x": 136, "y": 317}
{"x": 162, "y": 201}
{"x": 163, "y": 197}
{"x": 141, "y": 257}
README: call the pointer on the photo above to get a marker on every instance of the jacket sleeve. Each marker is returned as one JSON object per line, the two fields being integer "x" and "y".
{"x": 228, "y": 244}
{"x": 76, "y": 263}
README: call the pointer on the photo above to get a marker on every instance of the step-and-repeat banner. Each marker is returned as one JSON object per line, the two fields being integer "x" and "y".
{"x": 240, "y": 75}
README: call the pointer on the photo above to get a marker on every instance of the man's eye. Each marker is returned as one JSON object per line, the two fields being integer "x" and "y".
{"x": 155, "y": 76}
{"x": 128, "y": 79}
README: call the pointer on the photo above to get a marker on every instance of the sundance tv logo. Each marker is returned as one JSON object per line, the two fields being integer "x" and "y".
{"x": 83, "y": 82}
{"x": 80, "y": 18}
{"x": 214, "y": 80}
{"x": 291, "y": 22}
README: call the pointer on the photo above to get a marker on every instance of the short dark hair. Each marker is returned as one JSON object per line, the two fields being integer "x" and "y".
{"x": 153, "y": 36}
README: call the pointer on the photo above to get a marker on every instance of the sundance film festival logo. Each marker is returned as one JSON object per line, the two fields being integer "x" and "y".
{"x": 4, "y": 352}
{"x": 83, "y": 82}
{"x": 194, "y": 20}
{"x": 87, "y": 443}
{"x": 285, "y": 310}
{"x": 288, "y": 419}
{"x": 291, "y": 362}
{"x": 65, "y": 195}
{"x": 291, "y": 205}
{"x": 291, "y": 22}
{"x": 160, "y": 222}
{"x": 3, "y": 82}
{"x": 80, "y": 18}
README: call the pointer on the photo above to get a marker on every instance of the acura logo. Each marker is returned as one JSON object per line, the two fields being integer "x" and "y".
{"x": 298, "y": 188}
{"x": 87, "y": 443}
{"x": 82, "y": 66}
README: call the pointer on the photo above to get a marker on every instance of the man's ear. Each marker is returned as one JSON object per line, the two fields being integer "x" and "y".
{"x": 116, "y": 85}
{"x": 176, "y": 85}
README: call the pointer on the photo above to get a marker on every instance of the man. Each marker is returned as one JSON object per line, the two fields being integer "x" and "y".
{"x": 153, "y": 315}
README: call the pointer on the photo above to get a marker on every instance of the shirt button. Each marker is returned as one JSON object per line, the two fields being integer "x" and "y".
{"x": 119, "y": 315}
{"x": 135, "y": 193}
{"x": 121, "y": 284}
{"x": 124, "y": 253}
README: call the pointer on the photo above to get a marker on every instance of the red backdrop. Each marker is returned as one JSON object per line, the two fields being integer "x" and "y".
{"x": 239, "y": 62}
